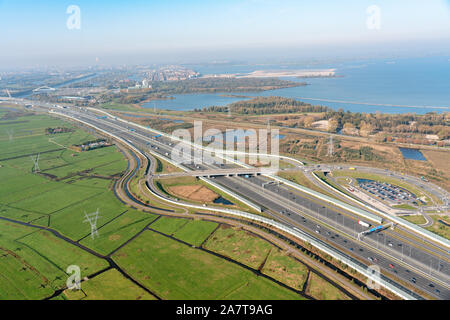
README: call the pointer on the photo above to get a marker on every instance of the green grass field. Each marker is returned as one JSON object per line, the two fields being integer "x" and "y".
{"x": 70, "y": 184}
{"x": 110, "y": 285}
{"x": 195, "y": 232}
{"x": 176, "y": 271}
{"x": 440, "y": 228}
{"x": 323, "y": 290}
{"x": 415, "y": 219}
{"x": 190, "y": 231}
{"x": 285, "y": 269}
{"x": 169, "y": 225}
{"x": 119, "y": 231}
{"x": 299, "y": 178}
{"x": 240, "y": 246}
{"x": 34, "y": 262}
{"x": 404, "y": 206}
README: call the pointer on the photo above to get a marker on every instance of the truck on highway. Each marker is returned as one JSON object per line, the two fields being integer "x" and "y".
{"x": 364, "y": 224}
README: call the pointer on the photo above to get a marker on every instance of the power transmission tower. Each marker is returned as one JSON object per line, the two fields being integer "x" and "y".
{"x": 36, "y": 168}
{"x": 10, "y": 134}
{"x": 92, "y": 219}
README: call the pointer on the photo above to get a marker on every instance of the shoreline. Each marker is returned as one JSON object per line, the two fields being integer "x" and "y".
{"x": 302, "y": 74}
{"x": 306, "y": 99}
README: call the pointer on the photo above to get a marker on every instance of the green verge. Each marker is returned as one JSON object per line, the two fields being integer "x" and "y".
{"x": 239, "y": 245}
{"x": 323, "y": 290}
{"x": 440, "y": 228}
{"x": 415, "y": 219}
{"x": 286, "y": 269}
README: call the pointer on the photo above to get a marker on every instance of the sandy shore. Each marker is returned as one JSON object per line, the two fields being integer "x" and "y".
{"x": 291, "y": 73}
{"x": 278, "y": 74}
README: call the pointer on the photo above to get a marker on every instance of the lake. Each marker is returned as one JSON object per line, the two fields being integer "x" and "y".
{"x": 417, "y": 85}
{"x": 224, "y": 201}
{"x": 412, "y": 154}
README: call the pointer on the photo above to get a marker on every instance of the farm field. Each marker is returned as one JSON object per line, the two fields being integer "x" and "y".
{"x": 71, "y": 184}
{"x": 286, "y": 269}
{"x": 322, "y": 290}
{"x": 190, "y": 231}
{"x": 110, "y": 285}
{"x": 175, "y": 271}
{"x": 34, "y": 262}
{"x": 115, "y": 233}
{"x": 240, "y": 246}
{"x": 68, "y": 185}
{"x": 259, "y": 254}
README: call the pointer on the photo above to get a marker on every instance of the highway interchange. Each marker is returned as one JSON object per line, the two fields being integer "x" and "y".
{"x": 424, "y": 266}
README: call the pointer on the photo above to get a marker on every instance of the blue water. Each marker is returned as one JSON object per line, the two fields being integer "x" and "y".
{"x": 412, "y": 154}
{"x": 417, "y": 85}
{"x": 187, "y": 102}
{"x": 223, "y": 201}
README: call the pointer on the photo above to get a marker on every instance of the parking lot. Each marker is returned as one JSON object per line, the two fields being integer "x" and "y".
{"x": 388, "y": 193}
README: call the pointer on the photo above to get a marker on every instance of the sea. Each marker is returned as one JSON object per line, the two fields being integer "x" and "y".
{"x": 407, "y": 85}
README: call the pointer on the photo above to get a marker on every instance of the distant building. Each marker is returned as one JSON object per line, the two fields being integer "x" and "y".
{"x": 145, "y": 84}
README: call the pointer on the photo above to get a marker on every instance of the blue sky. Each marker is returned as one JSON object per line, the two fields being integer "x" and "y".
{"x": 36, "y": 30}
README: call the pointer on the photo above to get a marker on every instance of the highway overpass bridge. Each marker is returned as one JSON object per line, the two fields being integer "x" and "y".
{"x": 229, "y": 172}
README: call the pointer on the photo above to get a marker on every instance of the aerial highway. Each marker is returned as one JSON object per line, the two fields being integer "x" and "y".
{"x": 401, "y": 258}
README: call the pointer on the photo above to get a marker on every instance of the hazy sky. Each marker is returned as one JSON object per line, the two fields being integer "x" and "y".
{"x": 189, "y": 30}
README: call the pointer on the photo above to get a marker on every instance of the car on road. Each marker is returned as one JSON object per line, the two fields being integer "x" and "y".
{"x": 391, "y": 266}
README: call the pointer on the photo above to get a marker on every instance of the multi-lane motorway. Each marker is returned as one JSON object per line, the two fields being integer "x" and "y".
{"x": 398, "y": 256}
